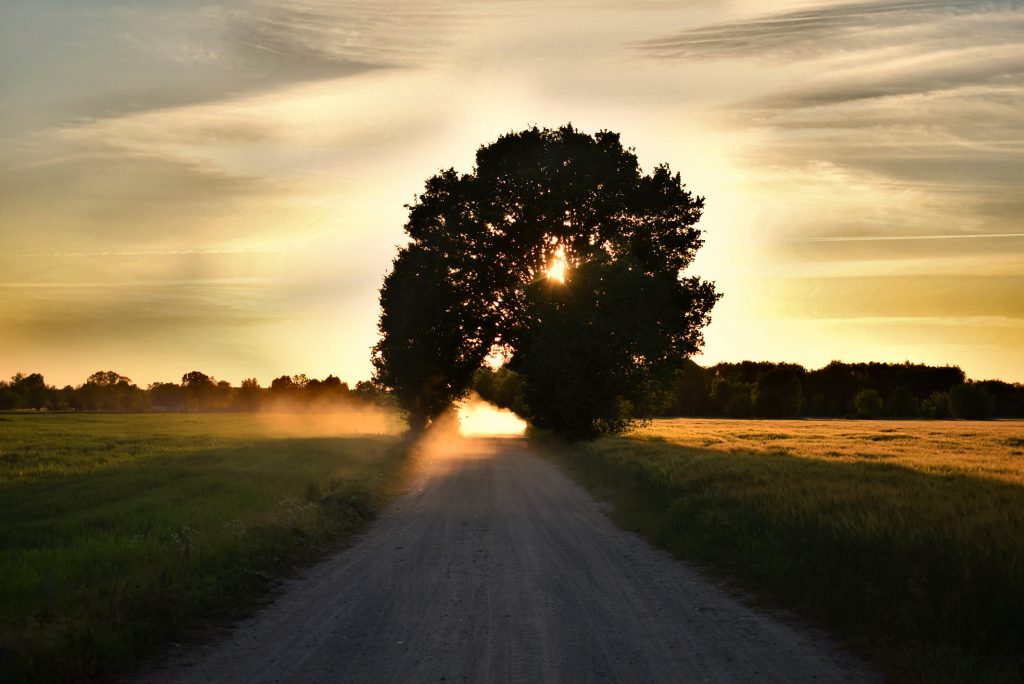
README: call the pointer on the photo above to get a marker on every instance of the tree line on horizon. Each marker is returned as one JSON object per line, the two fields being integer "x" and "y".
{"x": 111, "y": 391}
{"x": 761, "y": 389}
{"x": 748, "y": 389}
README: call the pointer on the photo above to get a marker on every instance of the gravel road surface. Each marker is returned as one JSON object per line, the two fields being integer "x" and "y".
{"x": 496, "y": 567}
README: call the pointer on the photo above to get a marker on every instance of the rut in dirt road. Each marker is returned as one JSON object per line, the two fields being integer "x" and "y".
{"x": 495, "y": 567}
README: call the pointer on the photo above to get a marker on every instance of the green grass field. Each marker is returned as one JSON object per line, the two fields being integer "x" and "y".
{"x": 119, "y": 533}
{"x": 905, "y": 539}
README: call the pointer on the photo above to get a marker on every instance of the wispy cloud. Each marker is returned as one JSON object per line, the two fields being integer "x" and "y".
{"x": 826, "y": 30}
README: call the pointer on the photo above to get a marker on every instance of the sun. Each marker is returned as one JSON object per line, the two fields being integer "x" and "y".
{"x": 556, "y": 269}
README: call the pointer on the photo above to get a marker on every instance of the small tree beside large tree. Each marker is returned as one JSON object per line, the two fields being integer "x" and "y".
{"x": 597, "y": 349}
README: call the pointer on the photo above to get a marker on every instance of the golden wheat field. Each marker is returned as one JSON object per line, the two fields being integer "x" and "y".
{"x": 992, "y": 449}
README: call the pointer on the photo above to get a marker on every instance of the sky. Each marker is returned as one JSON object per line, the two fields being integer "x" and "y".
{"x": 221, "y": 186}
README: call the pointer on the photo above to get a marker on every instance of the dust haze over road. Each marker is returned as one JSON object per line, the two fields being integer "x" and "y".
{"x": 495, "y": 567}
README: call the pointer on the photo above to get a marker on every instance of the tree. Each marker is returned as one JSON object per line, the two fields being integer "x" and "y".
{"x": 901, "y": 403}
{"x": 971, "y": 401}
{"x": 867, "y": 403}
{"x": 432, "y": 341}
{"x": 166, "y": 396}
{"x": 733, "y": 399}
{"x": 199, "y": 390}
{"x": 690, "y": 392}
{"x": 9, "y": 399}
{"x": 936, "y": 405}
{"x": 31, "y": 390}
{"x": 473, "y": 278}
{"x": 778, "y": 393}
{"x": 110, "y": 391}
{"x": 595, "y": 360}
{"x": 249, "y": 394}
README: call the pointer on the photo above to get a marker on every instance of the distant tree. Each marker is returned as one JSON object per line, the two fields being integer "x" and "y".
{"x": 733, "y": 399}
{"x": 970, "y": 401}
{"x": 333, "y": 389}
{"x": 936, "y": 406}
{"x": 778, "y": 393}
{"x": 31, "y": 389}
{"x": 831, "y": 389}
{"x": 199, "y": 390}
{"x": 1008, "y": 398}
{"x": 282, "y": 386}
{"x": 368, "y": 392}
{"x": 109, "y": 391}
{"x": 690, "y": 391}
{"x": 473, "y": 278}
{"x": 9, "y": 399}
{"x": 901, "y": 404}
{"x": 334, "y": 384}
{"x": 221, "y": 396}
{"x": 249, "y": 394}
{"x": 867, "y": 403}
{"x": 166, "y": 396}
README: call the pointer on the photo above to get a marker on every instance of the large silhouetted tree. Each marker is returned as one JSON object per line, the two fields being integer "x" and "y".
{"x": 594, "y": 351}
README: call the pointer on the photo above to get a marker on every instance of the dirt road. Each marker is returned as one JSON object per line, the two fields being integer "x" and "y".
{"x": 495, "y": 567}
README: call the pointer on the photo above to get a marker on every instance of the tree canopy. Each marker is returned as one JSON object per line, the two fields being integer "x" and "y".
{"x": 593, "y": 349}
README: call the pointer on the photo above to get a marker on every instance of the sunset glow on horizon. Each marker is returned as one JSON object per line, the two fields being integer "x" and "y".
{"x": 222, "y": 186}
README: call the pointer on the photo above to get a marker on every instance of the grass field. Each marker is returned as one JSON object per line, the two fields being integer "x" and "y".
{"x": 906, "y": 539}
{"x": 119, "y": 533}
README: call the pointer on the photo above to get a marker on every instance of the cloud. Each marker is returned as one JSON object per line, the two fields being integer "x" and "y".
{"x": 893, "y": 118}
{"x": 67, "y": 63}
{"x": 829, "y": 29}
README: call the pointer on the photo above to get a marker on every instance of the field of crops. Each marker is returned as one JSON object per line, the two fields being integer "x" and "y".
{"x": 121, "y": 532}
{"x": 906, "y": 539}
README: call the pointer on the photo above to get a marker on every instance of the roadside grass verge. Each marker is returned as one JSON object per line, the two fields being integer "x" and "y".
{"x": 920, "y": 571}
{"x": 121, "y": 533}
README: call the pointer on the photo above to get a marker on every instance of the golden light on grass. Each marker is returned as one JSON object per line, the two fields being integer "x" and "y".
{"x": 477, "y": 418}
{"x": 990, "y": 449}
{"x": 557, "y": 268}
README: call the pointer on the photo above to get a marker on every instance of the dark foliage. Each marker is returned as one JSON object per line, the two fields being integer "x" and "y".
{"x": 778, "y": 393}
{"x": 595, "y": 359}
{"x": 904, "y": 390}
{"x": 972, "y": 401}
{"x": 110, "y": 391}
{"x": 868, "y": 403}
{"x": 434, "y": 333}
{"x": 502, "y": 387}
{"x": 473, "y": 278}
{"x": 901, "y": 404}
